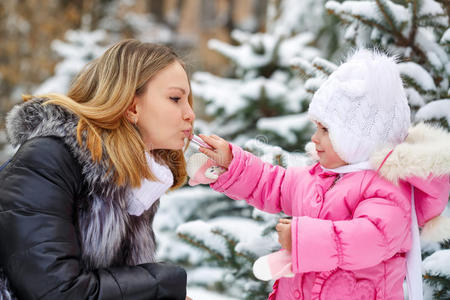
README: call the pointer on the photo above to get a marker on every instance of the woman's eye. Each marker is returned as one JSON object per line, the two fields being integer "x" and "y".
{"x": 325, "y": 129}
{"x": 176, "y": 99}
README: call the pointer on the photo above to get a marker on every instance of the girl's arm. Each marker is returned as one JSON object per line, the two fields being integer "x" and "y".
{"x": 262, "y": 185}
{"x": 379, "y": 229}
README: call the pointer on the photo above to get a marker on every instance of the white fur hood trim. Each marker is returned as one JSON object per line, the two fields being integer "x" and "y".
{"x": 425, "y": 151}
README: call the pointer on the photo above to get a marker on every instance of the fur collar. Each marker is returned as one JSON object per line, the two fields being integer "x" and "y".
{"x": 108, "y": 234}
{"x": 425, "y": 151}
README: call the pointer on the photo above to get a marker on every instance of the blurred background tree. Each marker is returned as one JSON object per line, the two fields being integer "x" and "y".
{"x": 32, "y": 32}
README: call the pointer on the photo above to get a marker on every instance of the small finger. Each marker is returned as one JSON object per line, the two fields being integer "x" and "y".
{"x": 209, "y": 140}
{"x": 278, "y": 227}
{"x": 210, "y": 153}
{"x": 284, "y": 221}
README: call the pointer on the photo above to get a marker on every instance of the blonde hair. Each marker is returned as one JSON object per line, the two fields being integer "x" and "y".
{"x": 100, "y": 96}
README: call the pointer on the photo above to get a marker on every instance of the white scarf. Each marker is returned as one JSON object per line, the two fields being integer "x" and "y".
{"x": 142, "y": 198}
{"x": 365, "y": 165}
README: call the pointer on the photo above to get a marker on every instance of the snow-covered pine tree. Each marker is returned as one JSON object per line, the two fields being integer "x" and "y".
{"x": 79, "y": 48}
{"x": 263, "y": 103}
{"x": 418, "y": 32}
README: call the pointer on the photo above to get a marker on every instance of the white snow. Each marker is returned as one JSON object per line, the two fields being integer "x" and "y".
{"x": 273, "y": 89}
{"x": 244, "y": 55}
{"x": 368, "y": 10}
{"x": 446, "y": 37}
{"x": 425, "y": 39}
{"x": 414, "y": 98}
{"x": 431, "y": 8}
{"x": 221, "y": 91}
{"x": 293, "y": 18}
{"x": 420, "y": 76}
{"x": 435, "y": 110}
{"x": 205, "y": 275}
{"x": 304, "y": 65}
{"x": 81, "y": 47}
{"x": 201, "y": 232}
{"x": 313, "y": 84}
{"x": 196, "y": 293}
{"x": 438, "y": 263}
{"x": 350, "y": 32}
{"x": 297, "y": 46}
{"x": 434, "y": 60}
{"x": 284, "y": 125}
{"x": 324, "y": 65}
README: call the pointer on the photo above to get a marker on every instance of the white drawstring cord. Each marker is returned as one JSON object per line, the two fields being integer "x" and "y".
{"x": 414, "y": 258}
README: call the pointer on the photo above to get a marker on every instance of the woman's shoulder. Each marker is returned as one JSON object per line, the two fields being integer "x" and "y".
{"x": 46, "y": 156}
{"x": 49, "y": 152}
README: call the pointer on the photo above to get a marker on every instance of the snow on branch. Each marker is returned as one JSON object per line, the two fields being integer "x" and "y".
{"x": 324, "y": 66}
{"x": 200, "y": 234}
{"x": 417, "y": 76}
{"x": 435, "y": 110}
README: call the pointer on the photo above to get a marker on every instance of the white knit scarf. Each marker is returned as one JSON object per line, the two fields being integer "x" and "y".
{"x": 142, "y": 198}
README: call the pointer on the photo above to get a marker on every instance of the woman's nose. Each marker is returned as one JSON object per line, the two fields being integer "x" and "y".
{"x": 189, "y": 114}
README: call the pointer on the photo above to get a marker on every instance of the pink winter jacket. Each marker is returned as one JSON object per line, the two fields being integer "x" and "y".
{"x": 348, "y": 241}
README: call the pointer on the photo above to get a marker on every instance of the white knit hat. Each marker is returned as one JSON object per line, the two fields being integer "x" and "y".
{"x": 363, "y": 105}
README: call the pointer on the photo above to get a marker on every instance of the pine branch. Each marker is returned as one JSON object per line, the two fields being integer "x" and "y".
{"x": 440, "y": 284}
{"x": 304, "y": 67}
{"x": 388, "y": 15}
{"x": 398, "y": 37}
{"x": 201, "y": 245}
{"x": 324, "y": 66}
{"x": 345, "y": 17}
{"x": 412, "y": 33}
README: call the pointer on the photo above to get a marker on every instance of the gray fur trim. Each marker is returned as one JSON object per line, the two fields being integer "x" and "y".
{"x": 109, "y": 235}
{"x": 5, "y": 290}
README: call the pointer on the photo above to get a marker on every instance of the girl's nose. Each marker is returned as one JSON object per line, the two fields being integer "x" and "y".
{"x": 314, "y": 138}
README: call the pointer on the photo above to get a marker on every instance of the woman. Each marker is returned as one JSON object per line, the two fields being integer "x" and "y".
{"x": 78, "y": 199}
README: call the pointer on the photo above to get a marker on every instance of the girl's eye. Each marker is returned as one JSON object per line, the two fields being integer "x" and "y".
{"x": 176, "y": 99}
{"x": 325, "y": 129}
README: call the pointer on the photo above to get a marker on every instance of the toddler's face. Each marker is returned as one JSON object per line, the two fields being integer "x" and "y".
{"x": 327, "y": 157}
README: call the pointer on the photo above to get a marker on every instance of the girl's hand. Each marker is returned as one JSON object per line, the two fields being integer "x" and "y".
{"x": 187, "y": 298}
{"x": 284, "y": 233}
{"x": 221, "y": 153}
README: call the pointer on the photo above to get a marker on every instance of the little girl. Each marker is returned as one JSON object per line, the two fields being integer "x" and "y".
{"x": 351, "y": 212}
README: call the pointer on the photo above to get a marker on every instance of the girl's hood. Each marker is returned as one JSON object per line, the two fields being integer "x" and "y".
{"x": 423, "y": 161}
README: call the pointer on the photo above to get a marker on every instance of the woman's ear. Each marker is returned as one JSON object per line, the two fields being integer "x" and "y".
{"x": 131, "y": 112}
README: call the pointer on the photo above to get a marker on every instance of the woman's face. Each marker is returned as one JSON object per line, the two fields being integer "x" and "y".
{"x": 164, "y": 116}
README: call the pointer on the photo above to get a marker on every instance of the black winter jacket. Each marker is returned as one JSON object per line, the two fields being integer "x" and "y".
{"x": 64, "y": 229}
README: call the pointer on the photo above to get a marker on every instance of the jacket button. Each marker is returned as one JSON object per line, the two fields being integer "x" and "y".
{"x": 297, "y": 294}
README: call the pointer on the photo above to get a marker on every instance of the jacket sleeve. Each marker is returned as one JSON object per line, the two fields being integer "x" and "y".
{"x": 262, "y": 185}
{"x": 39, "y": 249}
{"x": 379, "y": 229}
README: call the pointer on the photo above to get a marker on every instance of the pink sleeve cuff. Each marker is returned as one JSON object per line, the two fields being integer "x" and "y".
{"x": 314, "y": 245}
{"x": 230, "y": 176}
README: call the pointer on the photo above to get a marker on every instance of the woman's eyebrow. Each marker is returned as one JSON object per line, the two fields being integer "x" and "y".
{"x": 179, "y": 88}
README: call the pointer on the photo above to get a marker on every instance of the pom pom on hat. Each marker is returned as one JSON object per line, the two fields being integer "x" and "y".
{"x": 363, "y": 105}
